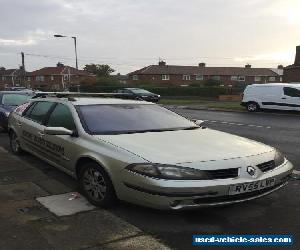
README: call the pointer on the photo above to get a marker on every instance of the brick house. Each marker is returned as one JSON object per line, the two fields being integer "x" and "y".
{"x": 291, "y": 73}
{"x": 185, "y": 75}
{"x": 11, "y": 77}
{"x": 60, "y": 77}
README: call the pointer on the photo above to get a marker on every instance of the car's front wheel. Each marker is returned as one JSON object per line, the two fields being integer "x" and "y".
{"x": 252, "y": 106}
{"x": 96, "y": 185}
{"x": 15, "y": 143}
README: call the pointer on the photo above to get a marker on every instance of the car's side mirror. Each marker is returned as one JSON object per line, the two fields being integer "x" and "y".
{"x": 58, "y": 131}
{"x": 197, "y": 122}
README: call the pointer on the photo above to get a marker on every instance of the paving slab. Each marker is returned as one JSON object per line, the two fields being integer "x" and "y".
{"x": 66, "y": 204}
{"x": 20, "y": 191}
{"x": 85, "y": 230}
{"x": 20, "y": 212}
{"x": 53, "y": 186}
{"x": 16, "y": 237}
{"x": 9, "y": 162}
{"x": 28, "y": 175}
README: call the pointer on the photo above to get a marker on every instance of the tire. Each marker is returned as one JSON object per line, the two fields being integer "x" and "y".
{"x": 96, "y": 185}
{"x": 14, "y": 143}
{"x": 252, "y": 106}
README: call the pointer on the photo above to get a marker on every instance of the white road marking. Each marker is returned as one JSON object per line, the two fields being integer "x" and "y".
{"x": 2, "y": 150}
{"x": 238, "y": 124}
{"x": 296, "y": 172}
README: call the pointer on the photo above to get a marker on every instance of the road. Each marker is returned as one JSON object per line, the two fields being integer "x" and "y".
{"x": 277, "y": 213}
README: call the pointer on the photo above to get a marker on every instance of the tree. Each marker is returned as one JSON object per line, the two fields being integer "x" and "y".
{"x": 101, "y": 70}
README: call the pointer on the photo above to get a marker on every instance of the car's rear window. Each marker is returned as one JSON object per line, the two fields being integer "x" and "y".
{"x": 14, "y": 99}
{"x": 130, "y": 118}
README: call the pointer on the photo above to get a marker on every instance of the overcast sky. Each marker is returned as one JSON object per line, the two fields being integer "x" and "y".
{"x": 129, "y": 34}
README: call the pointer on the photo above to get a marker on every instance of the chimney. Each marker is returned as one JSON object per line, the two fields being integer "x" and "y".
{"x": 59, "y": 64}
{"x": 248, "y": 66}
{"x": 297, "y": 57}
{"x": 202, "y": 65}
{"x": 162, "y": 63}
{"x": 280, "y": 66}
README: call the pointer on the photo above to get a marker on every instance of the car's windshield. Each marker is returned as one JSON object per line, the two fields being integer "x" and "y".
{"x": 130, "y": 118}
{"x": 15, "y": 99}
{"x": 140, "y": 91}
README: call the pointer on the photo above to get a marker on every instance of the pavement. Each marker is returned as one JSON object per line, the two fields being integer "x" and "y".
{"x": 24, "y": 222}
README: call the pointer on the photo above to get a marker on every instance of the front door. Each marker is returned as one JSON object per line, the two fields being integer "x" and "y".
{"x": 62, "y": 146}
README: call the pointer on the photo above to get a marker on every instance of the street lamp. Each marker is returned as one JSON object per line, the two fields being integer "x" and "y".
{"x": 75, "y": 44}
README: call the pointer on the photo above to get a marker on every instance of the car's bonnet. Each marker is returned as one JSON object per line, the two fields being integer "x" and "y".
{"x": 187, "y": 145}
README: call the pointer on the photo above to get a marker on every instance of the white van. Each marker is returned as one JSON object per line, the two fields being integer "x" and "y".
{"x": 281, "y": 96}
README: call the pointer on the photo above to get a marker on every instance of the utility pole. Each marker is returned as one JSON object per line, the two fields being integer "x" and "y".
{"x": 23, "y": 70}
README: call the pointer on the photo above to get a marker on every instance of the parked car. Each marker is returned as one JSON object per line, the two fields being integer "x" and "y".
{"x": 280, "y": 96}
{"x": 9, "y": 100}
{"x": 140, "y": 94}
{"x": 142, "y": 153}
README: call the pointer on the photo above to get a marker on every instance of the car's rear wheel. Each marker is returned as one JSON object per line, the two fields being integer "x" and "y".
{"x": 96, "y": 185}
{"x": 15, "y": 143}
{"x": 252, "y": 106}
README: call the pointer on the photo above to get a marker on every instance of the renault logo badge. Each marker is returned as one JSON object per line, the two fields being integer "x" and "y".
{"x": 251, "y": 170}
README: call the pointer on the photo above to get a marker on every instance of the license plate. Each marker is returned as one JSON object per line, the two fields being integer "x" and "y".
{"x": 251, "y": 186}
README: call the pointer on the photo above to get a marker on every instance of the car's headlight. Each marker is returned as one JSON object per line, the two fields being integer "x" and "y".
{"x": 7, "y": 113}
{"x": 279, "y": 158}
{"x": 169, "y": 172}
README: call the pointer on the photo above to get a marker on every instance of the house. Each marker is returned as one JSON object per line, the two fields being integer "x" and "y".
{"x": 60, "y": 77}
{"x": 11, "y": 77}
{"x": 291, "y": 73}
{"x": 185, "y": 75}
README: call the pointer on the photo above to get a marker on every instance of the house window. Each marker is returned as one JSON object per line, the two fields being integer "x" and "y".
{"x": 257, "y": 78}
{"x": 165, "y": 77}
{"x": 52, "y": 78}
{"x": 199, "y": 77}
{"x": 135, "y": 77}
{"x": 280, "y": 79}
{"x": 234, "y": 78}
{"x": 272, "y": 79}
{"x": 186, "y": 77}
{"x": 66, "y": 77}
{"x": 3, "y": 78}
{"x": 40, "y": 78}
{"x": 28, "y": 79}
{"x": 242, "y": 78}
{"x": 216, "y": 78}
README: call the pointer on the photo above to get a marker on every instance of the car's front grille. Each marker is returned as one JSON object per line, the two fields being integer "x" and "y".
{"x": 266, "y": 166}
{"x": 222, "y": 173}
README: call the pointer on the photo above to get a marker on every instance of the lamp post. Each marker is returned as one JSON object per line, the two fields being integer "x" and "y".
{"x": 75, "y": 45}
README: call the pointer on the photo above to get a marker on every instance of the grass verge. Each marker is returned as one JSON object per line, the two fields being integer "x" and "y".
{"x": 222, "y": 105}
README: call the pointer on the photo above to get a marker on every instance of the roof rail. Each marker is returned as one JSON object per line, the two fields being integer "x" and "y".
{"x": 78, "y": 94}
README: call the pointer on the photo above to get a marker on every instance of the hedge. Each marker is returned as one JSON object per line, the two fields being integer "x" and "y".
{"x": 169, "y": 91}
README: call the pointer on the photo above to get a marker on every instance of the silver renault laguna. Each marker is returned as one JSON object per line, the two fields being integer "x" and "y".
{"x": 142, "y": 153}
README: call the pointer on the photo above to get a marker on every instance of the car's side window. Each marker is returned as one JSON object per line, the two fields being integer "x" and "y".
{"x": 28, "y": 110}
{"x": 292, "y": 92}
{"x": 61, "y": 116}
{"x": 39, "y": 111}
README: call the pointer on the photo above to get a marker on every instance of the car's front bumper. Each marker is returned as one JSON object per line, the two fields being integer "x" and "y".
{"x": 174, "y": 194}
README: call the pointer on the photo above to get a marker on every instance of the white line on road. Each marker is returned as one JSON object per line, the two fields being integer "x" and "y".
{"x": 3, "y": 150}
{"x": 296, "y": 172}
{"x": 237, "y": 124}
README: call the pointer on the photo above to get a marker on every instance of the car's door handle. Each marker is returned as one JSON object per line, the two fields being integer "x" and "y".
{"x": 41, "y": 134}
{"x": 283, "y": 98}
